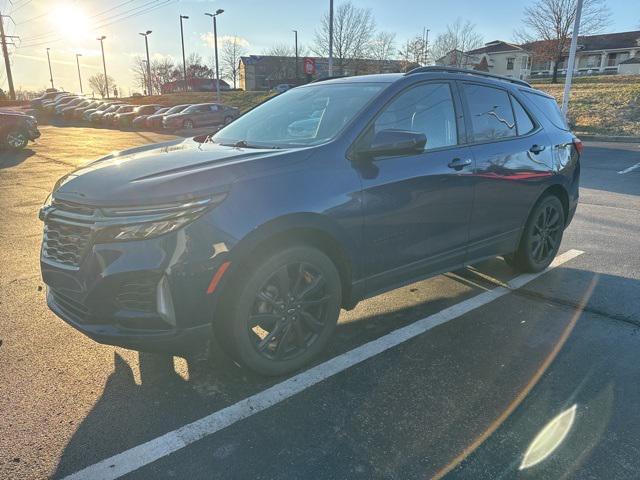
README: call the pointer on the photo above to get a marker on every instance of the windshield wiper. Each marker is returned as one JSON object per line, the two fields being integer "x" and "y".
{"x": 244, "y": 144}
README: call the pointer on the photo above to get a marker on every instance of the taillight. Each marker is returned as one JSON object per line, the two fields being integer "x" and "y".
{"x": 579, "y": 145}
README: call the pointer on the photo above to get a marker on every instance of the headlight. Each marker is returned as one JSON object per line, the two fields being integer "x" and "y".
{"x": 140, "y": 223}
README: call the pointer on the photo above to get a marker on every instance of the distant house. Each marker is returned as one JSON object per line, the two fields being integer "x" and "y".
{"x": 609, "y": 53}
{"x": 263, "y": 72}
{"x": 195, "y": 85}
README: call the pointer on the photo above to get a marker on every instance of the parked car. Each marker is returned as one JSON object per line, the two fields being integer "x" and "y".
{"x": 92, "y": 105}
{"x": 86, "y": 115}
{"x": 47, "y": 95}
{"x": 17, "y": 129}
{"x": 97, "y": 116}
{"x": 109, "y": 118}
{"x": 155, "y": 121}
{"x": 68, "y": 111}
{"x": 141, "y": 120}
{"x": 201, "y": 115}
{"x": 72, "y": 103}
{"x": 126, "y": 119}
{"x": 50, "y": 107}
{"x": 262, "y": 236}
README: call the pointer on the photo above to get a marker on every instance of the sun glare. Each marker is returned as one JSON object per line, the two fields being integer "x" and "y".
{"x": 71, "y": 21}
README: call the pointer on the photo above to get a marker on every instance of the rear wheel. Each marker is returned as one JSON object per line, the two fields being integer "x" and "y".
{"x": 227, "y": 120}
{"x": 541, "y": 237}
{"x": 284, "y": 310}
{"x": 16, "y": 140}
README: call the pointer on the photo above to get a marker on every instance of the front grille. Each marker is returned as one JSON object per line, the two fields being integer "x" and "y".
{"x": 70, "y": 307}
{"x": 73, "y": 207}
{"x": 139, "y": 295}
{"x": 65, "y": 244}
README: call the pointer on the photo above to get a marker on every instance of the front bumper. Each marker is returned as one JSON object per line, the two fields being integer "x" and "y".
{"x": 33, "y": 132}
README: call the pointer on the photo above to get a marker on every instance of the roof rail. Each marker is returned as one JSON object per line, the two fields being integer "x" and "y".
{"x": 435, "y": 68}
{"x": 328, "y": 78}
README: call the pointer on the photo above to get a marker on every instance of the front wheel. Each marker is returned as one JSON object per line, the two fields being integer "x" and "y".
{"x": 284, "y": 311}
{"x": 541, "y": 237}
{"x": 228, "y": 120}
{"x": 188, "y": 124}
{"x": 16, "y": 140}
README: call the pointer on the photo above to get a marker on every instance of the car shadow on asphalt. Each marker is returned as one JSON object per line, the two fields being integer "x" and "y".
{"x": 129, "y": 413}
{"x": 10, "y": 159}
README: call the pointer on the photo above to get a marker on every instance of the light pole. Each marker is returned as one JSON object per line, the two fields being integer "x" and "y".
{"x": 215, "y": 47}
{"x": 297, "y": 76}
{"x": 104, "y": 65}
{"x": 50, "y": 73}
{"x": 184, "y": 60}
{"x": 572, "y": 59}
{"x": 78, "y": 55}
{"x": 146, "y": 45}
{"x": 330, "y": 38}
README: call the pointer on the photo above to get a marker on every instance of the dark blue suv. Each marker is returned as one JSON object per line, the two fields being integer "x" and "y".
{"x": 320, "y": 197}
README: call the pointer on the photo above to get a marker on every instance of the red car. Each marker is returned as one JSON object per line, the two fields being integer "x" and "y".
{"x": 17, "y": 129}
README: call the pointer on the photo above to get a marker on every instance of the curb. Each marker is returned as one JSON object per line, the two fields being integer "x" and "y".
{"x": 609, "y": 138}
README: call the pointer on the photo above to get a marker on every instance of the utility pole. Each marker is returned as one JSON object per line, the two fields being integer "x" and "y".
{"x": 104, "y": 65}
{"x": 215, "y": 47}
{"x": 5, "y": 52}
{"x": 146, "y": 45}
{"x": 297, "y": 75}
{"x": 78, "y": 55}
{"x": 50, "y": 72}
{"x": 572, "y": 59}
{"x": 330, "y": 38}
{"x": 426, "y": 47}
{"x": 184, "y": 60}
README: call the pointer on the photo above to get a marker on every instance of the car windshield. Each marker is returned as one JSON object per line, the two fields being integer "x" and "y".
{"x": 300, "y": 117}
{"x": 176, "y": 109}
{"x": 196, "y": 108}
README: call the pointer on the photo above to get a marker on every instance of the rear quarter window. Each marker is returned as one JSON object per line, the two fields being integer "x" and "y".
{"x": 549, "y": 108}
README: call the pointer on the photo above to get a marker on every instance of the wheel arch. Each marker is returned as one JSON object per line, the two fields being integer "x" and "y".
{"x": 560, "y": 191}
{"x": 316, "y": 230}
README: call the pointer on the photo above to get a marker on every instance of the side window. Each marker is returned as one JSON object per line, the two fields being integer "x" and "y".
{"x": 491, "y": 114}
{"x": 523, "y": 120}
{"x": 214, "y": 108}
{"x": 427, "y": 109}
{"x": 549, "y": 107}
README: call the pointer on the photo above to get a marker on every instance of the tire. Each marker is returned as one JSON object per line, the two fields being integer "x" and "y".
{"x": 541, "y": 237}
{"x": 188, "y": 124}
{"x": 271, "y": 332}
{"x": 16, "y": 140}
{"x": 228, "y": 120}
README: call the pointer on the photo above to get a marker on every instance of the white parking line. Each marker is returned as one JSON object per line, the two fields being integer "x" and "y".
{"x": 159, "y": 447}
{"x": 630, "y": 169}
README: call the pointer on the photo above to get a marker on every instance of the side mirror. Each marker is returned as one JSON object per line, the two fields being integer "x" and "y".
{"x": 394, "y": 142}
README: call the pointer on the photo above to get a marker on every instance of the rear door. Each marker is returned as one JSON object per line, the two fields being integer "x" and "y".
{"x": 417, "y": 207}
{"x": 513, "y": 163}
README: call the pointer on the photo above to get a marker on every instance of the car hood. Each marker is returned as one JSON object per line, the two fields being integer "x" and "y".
{"x": 172, "y": 171}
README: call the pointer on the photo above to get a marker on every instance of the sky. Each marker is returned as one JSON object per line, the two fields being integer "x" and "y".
{"x": 68, "y": 27}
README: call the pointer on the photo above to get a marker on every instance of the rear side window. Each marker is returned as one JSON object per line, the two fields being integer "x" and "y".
{"x": 491, "y": 113}
{"x": 523, "y": 120}
{"x": 549, "y": 108}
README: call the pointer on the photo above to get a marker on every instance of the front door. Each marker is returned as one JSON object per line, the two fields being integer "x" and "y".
{"x": 417, "y": 207}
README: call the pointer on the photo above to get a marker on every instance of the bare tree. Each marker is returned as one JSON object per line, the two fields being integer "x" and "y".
{"x": 383, "y": 47}
{"x": 161, "y": 73}
{"x": 232, "y": 50}
{"x": 453, "y": 45}
{"x": 413, "y": 52}
{"x": 97, "y": 83}
{"x": 548, "y": 26}
{"x": 353, "y": 30}
{"x": 139, "y": 69}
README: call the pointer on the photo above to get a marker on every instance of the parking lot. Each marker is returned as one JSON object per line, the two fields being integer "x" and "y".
{"x": 484, "y": 361}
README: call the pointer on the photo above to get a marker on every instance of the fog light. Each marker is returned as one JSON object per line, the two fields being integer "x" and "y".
{"x": 164, "y": 302}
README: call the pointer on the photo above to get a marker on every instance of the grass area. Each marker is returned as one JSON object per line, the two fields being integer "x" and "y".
{"x": 601, "y": 105}
{"x": 242, "y": 100}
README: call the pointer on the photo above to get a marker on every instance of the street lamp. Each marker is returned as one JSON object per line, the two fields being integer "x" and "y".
{"x": 50, "y": 73}
{"x": 184, "y": 60}
{"x": 104, "y": 65}
{"x": 296, "y": 34}
{"x": 215, "y": 43}
{"x": 146, "y": 45}
{"x": 78, "y": 55}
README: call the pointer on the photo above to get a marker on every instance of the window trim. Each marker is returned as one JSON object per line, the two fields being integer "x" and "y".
{"x": 469, "y": 126}
{"x": 458, "y": 111}
{"x": 534, "y": 121}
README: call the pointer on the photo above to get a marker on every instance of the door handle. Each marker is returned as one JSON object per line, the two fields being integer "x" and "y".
{"x": 459, "y": 163}
{"x": 536, "y": 149}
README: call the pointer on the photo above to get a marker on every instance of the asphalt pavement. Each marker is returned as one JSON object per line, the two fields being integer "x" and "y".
{"x": 538, "y": 382}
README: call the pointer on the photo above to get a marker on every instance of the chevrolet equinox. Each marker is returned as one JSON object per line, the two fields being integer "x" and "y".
{"x": 320, "y": 197}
